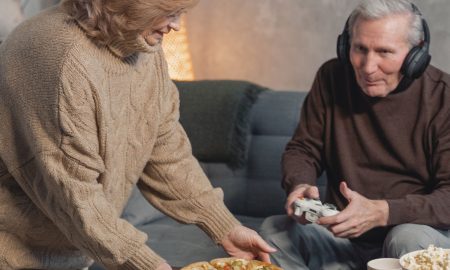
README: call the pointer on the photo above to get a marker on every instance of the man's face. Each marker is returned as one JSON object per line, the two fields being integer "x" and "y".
{"x": 155, "y": 35}
{"x": 378, "y": 48}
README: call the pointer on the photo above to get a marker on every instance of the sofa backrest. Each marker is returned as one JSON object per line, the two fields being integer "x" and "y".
{"x": 255, "y": 190}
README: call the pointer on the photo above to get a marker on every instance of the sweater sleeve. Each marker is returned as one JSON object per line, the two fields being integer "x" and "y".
{"x": 174, "y": 182}
{"x": 62, "y": 172}
{"x": 430, "y": 208}
{"x": 302, "y": 158}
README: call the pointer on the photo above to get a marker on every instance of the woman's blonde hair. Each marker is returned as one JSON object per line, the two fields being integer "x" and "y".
{"x": 108, "y": 20}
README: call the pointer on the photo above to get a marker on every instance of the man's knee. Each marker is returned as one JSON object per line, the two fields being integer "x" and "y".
{"x": 274, "y": 224}
{"x": 408, "y": 237}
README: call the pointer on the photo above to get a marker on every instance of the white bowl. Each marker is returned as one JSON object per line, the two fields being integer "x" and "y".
{"x": 412, "y": 254}
{"x": 384, "y": 264}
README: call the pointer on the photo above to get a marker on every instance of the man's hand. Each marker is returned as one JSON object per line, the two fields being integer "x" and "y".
{"x": 299, "y": 192}
{"x": 360, "y": 215}
{"x": 245, "y": 243}
{"x": 164, "y": 266}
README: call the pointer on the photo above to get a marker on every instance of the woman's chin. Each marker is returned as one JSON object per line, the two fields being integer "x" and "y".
{"x": 152, "y": 41}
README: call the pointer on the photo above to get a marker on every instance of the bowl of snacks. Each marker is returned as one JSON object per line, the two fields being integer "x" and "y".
{"x": 432, "y": 258}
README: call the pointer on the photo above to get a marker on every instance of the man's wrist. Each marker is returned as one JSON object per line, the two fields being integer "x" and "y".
{"x": 383, "y": 212}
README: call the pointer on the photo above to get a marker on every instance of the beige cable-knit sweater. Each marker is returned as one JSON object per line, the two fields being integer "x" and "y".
{"x": 80, "y": 126}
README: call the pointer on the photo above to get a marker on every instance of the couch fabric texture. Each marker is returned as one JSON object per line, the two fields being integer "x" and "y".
{"x": 217, "y": 121}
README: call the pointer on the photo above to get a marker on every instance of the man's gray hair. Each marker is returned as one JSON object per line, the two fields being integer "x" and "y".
{"x": 377, "y": 9}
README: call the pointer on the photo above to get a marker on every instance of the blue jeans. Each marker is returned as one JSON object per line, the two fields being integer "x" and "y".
{"x": 314, "y": 247}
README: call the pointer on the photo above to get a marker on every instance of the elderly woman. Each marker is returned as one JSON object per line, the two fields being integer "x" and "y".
{"x": 88, "y": 111}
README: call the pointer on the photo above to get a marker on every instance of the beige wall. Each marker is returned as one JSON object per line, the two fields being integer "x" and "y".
{"x": 281, "y": 43}
{"x": 12, "y": 12}
{"x": 10, "y": 15}
{"x": 31, "y": 7}
{"x": 278, "y": 43}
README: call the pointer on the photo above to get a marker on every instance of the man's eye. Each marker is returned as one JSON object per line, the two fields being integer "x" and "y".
{"x": 385, "y": 52}
{"x": 359, "y": 48}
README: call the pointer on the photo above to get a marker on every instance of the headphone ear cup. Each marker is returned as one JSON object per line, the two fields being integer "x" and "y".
{"x": 407, "y": 65}
{"x": 342, "y": 47}
{"x": 415, "y": 63}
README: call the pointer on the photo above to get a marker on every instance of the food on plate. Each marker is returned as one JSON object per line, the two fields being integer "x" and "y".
{"x": 432, "y": 258}
{"x": 231, "y": 263}
{"x": 259, "y": 265}
{"x": 199, "y": 266}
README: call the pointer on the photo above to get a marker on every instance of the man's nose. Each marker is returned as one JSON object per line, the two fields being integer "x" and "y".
{"x": 370, "y": 63}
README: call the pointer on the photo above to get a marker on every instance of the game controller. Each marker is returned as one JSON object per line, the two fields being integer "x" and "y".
{"x": 313, "y": 209}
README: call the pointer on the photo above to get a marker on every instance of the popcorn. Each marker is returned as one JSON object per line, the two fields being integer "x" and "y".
{"x": 432, "y": 258}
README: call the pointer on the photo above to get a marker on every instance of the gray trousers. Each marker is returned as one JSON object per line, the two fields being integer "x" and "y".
{"x": 313, "y": 247}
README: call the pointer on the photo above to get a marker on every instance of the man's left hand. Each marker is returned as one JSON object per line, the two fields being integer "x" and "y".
{"x": 245, "y": 243}
{"x": 360, "y": 215}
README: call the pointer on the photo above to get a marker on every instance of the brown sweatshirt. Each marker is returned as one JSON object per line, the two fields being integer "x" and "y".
{"x": 81, "y": 125}
{"x": 395, "y": 148}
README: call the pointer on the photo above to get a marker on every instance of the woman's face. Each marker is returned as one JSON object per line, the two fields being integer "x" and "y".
{"x": 155, "y": 34}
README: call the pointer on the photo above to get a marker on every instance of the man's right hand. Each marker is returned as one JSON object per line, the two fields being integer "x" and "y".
{"x": 360, "y": 215}
{"x": 299, "y": 192}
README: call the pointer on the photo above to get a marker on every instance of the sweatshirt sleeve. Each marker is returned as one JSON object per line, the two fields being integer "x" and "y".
{"x": 302, "y": 158}
{"x": 174, "y": 182}
{"x": 63, "y": 163}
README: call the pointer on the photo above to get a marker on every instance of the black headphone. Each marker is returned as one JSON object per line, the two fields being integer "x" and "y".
{"x": 416, "y": 61}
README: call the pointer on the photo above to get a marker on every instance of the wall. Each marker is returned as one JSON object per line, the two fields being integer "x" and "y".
{"x": 281, "y": 43}
{"x": 12, "y": 12}
{"x": 31, "y": 7}
{"x": 10, "y": 16}
{"x": 278, "y": 43}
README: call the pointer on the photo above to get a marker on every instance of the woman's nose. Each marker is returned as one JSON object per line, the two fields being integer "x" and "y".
{"x": 175, "y": 24}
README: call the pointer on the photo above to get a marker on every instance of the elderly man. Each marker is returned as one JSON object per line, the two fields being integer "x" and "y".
{"x": 377, "y": 121}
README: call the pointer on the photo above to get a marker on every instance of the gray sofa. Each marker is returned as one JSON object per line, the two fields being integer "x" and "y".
{"x": 252, "y": 190}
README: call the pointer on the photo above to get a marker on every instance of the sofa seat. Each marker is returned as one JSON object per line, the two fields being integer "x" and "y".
{"x": 181, "y": 243}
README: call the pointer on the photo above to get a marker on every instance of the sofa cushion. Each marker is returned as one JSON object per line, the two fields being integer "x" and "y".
{"x": 277, "y": 113}
{"x": 215, "y": 115}
{"x": 139, "y": 211}
{"x": 274, "y": 119}
{"x": 191, "y": 243}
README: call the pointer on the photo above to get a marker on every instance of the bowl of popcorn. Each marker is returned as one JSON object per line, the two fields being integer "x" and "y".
{"x": 432, "y": 258}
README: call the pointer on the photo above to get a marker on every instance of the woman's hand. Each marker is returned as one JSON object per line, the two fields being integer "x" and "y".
{"x": 164, "y": 266}
{"x": 245, "y": 243}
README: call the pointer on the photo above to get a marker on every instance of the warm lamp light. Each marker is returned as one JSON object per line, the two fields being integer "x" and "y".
{"x": 178, "y": 56}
